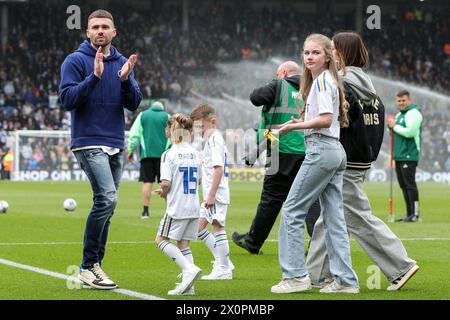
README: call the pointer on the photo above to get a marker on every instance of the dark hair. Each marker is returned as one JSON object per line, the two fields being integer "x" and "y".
{"x": 100, "y": 13}
{"x": 203, "y": 111}
{"x": 351, "y": 50}
{"x": 402, "y": 93}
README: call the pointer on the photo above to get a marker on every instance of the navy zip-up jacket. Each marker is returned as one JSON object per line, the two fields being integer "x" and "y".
{"x": 96, "y": 105}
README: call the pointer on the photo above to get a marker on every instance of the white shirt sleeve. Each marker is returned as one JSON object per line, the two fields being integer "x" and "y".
{"x": 217, "y": 150}
{"x": 166, "y": 167}
{"x": 325, "y": 91}
{"x": 199, "y": 165}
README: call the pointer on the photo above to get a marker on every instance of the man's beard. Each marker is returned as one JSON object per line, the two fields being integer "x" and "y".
{"x": 103, "y": 44}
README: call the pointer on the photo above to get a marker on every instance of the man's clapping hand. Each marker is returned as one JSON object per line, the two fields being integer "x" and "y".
{"x": 128, "y": 67}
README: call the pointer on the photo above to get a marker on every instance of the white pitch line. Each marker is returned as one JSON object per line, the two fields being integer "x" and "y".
{"x": 66, "y": 277}
{"x": 65, "y": 243}
{"x": 405, "y": 239}
{"x": 150, "y": 242}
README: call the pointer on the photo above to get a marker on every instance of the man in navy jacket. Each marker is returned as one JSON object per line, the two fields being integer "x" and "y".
{"x": 97, "y": 82}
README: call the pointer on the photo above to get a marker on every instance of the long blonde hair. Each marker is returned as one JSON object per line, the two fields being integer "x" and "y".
{"x": 307, "y": 78}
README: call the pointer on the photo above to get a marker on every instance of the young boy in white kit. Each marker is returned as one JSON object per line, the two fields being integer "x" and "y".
{"x": 216, "y": 193}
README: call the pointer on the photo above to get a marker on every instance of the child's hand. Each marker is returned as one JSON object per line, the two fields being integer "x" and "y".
{"x": 210, "y": 200}
{"x": 160, "y": 193}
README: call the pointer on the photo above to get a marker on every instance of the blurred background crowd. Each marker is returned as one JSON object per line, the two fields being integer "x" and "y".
{"x": 183, "y": 47}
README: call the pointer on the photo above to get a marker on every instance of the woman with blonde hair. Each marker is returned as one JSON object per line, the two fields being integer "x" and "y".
{"x": 320, "y": 176}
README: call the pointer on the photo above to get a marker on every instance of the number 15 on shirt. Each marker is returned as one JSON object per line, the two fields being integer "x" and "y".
{"x": 189, "y": 179}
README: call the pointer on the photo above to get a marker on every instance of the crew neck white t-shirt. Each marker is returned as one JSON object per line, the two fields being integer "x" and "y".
{"x": 215, "y": 153}
{"x": 181, "y": 166}
{"x": 323, "y": 98}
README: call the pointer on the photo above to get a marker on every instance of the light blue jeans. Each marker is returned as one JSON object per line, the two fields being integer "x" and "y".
{"x": 104, "y": 173}
{"x": 320, "y": 176}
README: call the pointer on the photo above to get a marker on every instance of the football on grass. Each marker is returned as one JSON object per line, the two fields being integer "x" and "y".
{"x": 3, "y": 206}
{"x": 70, "y": 204}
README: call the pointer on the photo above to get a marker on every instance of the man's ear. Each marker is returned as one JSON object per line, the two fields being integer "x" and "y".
{"x": 214, "y": 120}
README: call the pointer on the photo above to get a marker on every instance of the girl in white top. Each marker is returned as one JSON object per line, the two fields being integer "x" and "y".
{"x": 320, "y": 175}
{"x": 179, "y": 185}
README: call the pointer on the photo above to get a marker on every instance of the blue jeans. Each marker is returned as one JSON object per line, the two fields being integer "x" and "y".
{"x": 319, "y": 177}
{"x": 104, "y": 173}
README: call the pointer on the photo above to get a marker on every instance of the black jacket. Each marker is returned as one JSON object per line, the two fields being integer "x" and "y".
{"x": 266, "y": 95}
{"x": 363, "y": 138}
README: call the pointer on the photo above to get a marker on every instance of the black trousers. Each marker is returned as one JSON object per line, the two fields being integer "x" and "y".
{"x": 275, "y": 191}
{"x": 406, "y": 176}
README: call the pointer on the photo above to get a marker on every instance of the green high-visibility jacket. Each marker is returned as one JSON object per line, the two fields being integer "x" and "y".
{"x": 148, "y": 131}
{"x": 285, "y": 106}
{"x": 407, "y": 134}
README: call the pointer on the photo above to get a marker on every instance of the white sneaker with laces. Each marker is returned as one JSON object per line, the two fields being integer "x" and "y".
{"x": 219, "y": 272}
{"x": 292, "y": 285}
{"x": 230, "y": 264}
{"x": 189, "y": 276}
{"x": 398, "y": 283}
{"x": 335, "y": 287}
{"x": 176, "y": 292}
{"x": 96, "y": 278}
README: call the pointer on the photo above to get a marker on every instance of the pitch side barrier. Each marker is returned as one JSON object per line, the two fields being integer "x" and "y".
{"x": 235, "y": 174}
{"x": 45, "y": 156}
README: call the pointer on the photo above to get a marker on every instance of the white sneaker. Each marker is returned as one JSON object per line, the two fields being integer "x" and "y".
{"x": 96, "y": 278}
{"x": 292, "y": 285}
{"x": 189, "y": 277}
{"x": 335, "y": 287}
{"x": 176, "y": 291}
{"x": 219, "y": 272}
{"x": 398, "y": 283}
{"x": 230, "y": 264}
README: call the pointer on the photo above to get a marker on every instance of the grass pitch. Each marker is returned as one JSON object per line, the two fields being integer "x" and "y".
{"x": 37, "y": 232}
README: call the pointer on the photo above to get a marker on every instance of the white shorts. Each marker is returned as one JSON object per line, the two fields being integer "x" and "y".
{"x": 217, "y": 212}
{"x": 178, "y": 229}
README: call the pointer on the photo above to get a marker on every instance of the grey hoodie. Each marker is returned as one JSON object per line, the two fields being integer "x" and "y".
{"x": 361, "y": 83}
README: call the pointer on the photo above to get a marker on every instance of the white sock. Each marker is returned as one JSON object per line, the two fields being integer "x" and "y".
{"x": 174, "y": 253}
{"x": 222, "y": 248}
{"x": 209, "y": 240}
{"x": 187, "y": 253}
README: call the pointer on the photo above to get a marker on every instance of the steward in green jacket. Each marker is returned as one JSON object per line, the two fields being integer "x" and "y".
{"x": 149, "y": 133}
{"x": 407, "y": 128}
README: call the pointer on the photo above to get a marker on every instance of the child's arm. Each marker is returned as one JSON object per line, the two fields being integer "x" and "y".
{"x": 163, "y": 189}
{"x": 217, "y": 177}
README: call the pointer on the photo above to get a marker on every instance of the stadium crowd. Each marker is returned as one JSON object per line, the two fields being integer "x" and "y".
{"x": 414, "y": 48}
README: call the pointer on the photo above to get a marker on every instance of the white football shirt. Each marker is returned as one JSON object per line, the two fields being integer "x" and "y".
{"x": 181, "y": 166}
{"x": 323, "y": 98}
{"x": 215, "y": 154}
